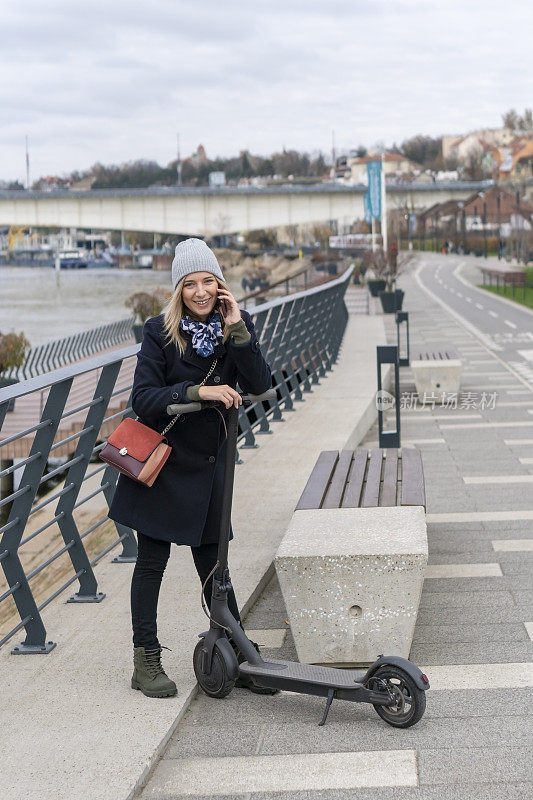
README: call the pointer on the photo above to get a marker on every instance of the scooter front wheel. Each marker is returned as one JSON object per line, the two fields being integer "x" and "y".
{"x": 216, "y": 682}
{"x": 408, "y": 702}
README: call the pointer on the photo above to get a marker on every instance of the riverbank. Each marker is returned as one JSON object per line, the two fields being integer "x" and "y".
{"x": 47, "y": 305}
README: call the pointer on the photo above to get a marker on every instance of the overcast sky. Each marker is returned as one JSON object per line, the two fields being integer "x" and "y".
{"x": 115, "y": 81}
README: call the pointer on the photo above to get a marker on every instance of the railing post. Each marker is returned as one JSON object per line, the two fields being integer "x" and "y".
{"x": 127, "y": 537}
{"x": 281, "y": 384}
{"x": 249, "y": 438}
{"x": 88, "y": 592}
{"x": 35, "y": 641}
{"x": 388, "y": 354}
{"x": 264, "y": 427}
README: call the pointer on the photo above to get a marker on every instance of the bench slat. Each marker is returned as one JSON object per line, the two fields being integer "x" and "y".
{"x": 338, "y": 481}
{"x": 390, "y": 479}
{"x": 413, "y": 490}
{"x": 318, "y": 482}
{"x": 373, "y": 480}
{"x": 352, "y": 495}
{"x": 438, "y": 355}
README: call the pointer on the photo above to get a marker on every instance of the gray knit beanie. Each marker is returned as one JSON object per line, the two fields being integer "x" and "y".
{"x": 193, "y": 255}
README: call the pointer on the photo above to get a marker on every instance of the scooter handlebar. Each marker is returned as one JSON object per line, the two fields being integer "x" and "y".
{"x": 189, "y": 408}
{"x": 184, "y": 408}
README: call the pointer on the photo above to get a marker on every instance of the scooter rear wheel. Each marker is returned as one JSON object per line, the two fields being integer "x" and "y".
{"x": 215, "y": 683}
{"x": 408, "y": 702}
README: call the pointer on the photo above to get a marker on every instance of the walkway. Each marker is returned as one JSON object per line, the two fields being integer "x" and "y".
{"x": 473, "y": 633}
{"x": 71, "y": 725}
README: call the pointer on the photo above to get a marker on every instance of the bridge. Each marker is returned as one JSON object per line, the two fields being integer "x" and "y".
{"x": 208, "y": 211}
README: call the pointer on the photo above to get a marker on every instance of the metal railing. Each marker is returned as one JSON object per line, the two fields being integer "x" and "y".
{"x": 300, "y": 336}
{"x": 61, "y": 352}
{"x": 303, "y": 279}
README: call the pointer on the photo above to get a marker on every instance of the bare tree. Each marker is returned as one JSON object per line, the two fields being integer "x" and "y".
{"x": 511, "y": 119}
{"x": 292, "y": 232}
{"x": 321, "y": 233}
{"x": 474, "y": 164}
{"x": 516, "y": 123}
{"x": 526, "y": 121}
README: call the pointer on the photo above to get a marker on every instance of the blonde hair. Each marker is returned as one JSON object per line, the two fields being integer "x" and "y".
{"x": 174, "y": 313}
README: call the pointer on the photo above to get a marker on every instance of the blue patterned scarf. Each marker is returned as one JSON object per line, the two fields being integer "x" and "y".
{"x": 205, "y": 335}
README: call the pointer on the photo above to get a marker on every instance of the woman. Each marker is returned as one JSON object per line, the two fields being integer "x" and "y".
{"x": 197, "y": 350}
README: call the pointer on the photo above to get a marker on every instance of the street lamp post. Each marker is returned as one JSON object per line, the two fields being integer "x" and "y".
{"x": 518, "y": 248}
{"x": 485, "y": 228}
{"x": 483, "y": 221}
{"x": 463, "y": 224}
{"x": 498, "y": 209}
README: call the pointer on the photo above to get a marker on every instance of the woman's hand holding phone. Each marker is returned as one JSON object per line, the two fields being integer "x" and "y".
{"x": 223, "y": 394}
{"x": 228, "y": 306}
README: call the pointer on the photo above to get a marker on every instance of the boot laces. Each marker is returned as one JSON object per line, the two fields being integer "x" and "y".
{"x": 153, "y": 663}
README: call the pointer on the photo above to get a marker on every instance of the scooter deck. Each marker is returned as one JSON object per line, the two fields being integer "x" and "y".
{"x": 290, "y": 672}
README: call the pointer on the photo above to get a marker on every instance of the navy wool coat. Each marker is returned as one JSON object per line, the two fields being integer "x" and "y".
{"x": 185, "y": 501}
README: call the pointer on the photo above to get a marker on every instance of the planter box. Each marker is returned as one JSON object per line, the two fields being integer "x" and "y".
{"x": 391, "y": 301}
{"x": 376, "y": 286}
{"x": 352, "y": 579}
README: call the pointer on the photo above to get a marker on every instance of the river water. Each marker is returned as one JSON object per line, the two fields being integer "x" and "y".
{"x": 47, "y": 306}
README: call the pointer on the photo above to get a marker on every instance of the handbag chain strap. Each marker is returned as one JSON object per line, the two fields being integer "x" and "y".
{"x": 211, "y": 370}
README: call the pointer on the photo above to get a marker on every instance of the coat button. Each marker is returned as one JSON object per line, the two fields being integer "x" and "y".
{"x": 216, "y": 379}
{"x": 212, "y": 459}
{"x": 175, "y": 396}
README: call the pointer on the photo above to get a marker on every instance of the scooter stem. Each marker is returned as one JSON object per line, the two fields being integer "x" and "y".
{"x": 225, "y": 517}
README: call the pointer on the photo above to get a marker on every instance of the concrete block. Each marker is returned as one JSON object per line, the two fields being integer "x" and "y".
{"x": 351, "y": 580}
{"x": 437, "y": 377}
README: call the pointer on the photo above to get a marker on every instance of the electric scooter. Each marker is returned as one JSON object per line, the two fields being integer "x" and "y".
{"x": 394, "y": 686}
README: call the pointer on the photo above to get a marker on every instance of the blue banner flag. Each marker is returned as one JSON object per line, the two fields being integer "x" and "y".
{"x": 366, "y": 205}
{"x": 373, "y": 170}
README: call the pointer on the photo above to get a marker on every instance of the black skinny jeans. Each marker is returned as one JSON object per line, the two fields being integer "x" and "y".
{"x": 152, "y": 558}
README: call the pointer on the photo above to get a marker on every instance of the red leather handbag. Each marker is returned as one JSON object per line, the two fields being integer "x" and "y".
{"x": 137, "y": 451}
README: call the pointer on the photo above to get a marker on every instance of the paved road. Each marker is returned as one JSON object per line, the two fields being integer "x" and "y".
{"x": 506, "y": 328}
{"x": 474, "y": 627}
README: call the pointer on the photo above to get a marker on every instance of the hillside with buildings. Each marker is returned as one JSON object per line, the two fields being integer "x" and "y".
{"x": 500, "y": 154}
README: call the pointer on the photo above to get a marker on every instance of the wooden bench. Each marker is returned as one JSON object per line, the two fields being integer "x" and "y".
{"x": 365, "y": 479}
{"x": 508, "y": 276}
{"x": 352, "y": 561}
{"x": 439, "y": 355}
{"x": 437, "y": 374}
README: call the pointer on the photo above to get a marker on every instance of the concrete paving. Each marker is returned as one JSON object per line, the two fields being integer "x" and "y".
{"x": 472, "y": 637}
{"x": 71, "y": 725}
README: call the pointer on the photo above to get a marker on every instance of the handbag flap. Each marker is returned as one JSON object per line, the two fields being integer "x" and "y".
{"x": 138, "y": 439}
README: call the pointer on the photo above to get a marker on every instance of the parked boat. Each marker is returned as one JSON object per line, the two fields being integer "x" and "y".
{"x": 72, "y": 259}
